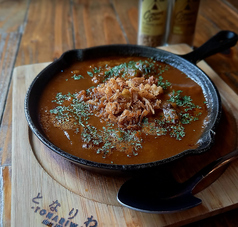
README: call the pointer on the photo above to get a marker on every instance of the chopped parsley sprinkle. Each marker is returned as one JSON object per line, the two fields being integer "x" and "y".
{"x": 97, "y": 70}
{"x": 190, "y": 110}
{"x": 71, "y": 110}
{"x": 76, "y": 110}
{"x": 133, "y": 68}
{"x": 90, "y": 74}
{"x": 77, "y": 77}
{"x": 109, "y": 139}
{"x": 177, "y": 131}
{"x": 163, "y": 84}
{"x": 183, "y": 101}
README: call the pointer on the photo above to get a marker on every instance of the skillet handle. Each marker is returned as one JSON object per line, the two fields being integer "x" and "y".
{"x": 223, "y": 40}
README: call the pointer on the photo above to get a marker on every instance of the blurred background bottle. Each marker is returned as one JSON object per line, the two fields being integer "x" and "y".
{"x": 153, "y": 16}
{"x": 182, "y": 21}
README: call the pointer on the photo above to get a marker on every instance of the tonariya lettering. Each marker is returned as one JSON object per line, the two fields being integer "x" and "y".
{"x": 54, "y": 220}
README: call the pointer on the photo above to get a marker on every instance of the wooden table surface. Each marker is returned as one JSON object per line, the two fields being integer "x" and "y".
{"x": 36, "y": 31}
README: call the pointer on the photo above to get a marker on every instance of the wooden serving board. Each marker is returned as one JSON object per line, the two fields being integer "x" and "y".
{"x": 50, "y": 191}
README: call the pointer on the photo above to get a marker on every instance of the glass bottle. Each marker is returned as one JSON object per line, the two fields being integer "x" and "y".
{"x": 183, "y": 21}
{"x": 152, "y": 22}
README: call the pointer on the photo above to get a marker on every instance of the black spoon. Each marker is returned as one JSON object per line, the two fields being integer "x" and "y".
{"x": 166, "y": 195}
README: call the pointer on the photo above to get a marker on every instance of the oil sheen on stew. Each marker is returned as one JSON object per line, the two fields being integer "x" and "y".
{"x": 123, "y": 110}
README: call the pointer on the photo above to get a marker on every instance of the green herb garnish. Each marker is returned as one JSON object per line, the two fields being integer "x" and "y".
{"x": 77, "y": 77}
{"x": 90, "y": 74}
{"x": 163, "y": 84}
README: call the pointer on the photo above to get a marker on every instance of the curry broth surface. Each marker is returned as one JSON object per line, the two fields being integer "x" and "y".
{"x": 153, "y": 147}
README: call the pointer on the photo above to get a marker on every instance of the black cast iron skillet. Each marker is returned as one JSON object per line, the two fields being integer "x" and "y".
{"x": 185, "y": 63}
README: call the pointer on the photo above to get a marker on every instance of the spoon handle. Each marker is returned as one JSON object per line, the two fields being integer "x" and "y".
{"x": 211, "y": 169}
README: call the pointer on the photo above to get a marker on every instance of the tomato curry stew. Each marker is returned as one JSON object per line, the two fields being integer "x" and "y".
{"x": 123, "y": 110}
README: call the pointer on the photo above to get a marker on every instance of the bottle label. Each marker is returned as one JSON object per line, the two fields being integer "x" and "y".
{"x": 153, "y": 17}
{"x": 185, "y": 16}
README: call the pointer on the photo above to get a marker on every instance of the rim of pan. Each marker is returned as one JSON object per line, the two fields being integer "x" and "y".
{"x": 203, "y": 80}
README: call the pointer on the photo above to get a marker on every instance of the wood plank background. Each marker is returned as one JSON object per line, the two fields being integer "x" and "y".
{"x": 35, "y": 31}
